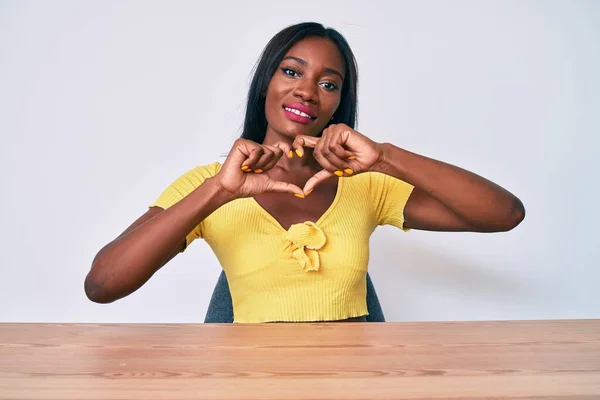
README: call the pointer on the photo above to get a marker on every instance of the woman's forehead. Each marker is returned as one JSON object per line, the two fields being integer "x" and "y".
{"x": 317, "y": 52}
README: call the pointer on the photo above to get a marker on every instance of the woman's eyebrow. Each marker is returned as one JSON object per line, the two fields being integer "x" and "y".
{"x": 303, "y": 62}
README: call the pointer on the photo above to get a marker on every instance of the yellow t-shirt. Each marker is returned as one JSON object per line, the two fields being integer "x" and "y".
{"x": 314, "y": 271}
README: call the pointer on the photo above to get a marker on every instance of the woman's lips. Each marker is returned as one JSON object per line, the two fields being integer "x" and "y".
{"x": 299, "y": 113}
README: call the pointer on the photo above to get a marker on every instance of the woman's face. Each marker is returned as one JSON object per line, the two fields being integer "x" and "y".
{"x": 306, "y": 88}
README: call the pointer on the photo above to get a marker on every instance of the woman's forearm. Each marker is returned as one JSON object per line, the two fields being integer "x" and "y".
{"x": 126, "y": 263}
{"x": 476, "y": 200}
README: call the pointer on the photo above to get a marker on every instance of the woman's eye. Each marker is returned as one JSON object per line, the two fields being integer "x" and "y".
{"x": 290, "y": 72}
{"x": 329, "y": 86}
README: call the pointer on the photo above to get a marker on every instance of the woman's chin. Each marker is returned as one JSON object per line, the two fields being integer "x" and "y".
{"x": 292, "y": 129}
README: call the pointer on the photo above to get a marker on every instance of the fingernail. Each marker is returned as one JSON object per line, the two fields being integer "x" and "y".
{"x": 298, "y": 195}
{"x": 258, "y": 171}
{"x": 299, "y": 153}
{"x": 290, "y": 154}
{"x": 309, "y": 192}
{"x": 351, "y": 157}
{"x": 338, "y": 173}
{"x": 348, "y": 171}
{"x": 245, "y": 167}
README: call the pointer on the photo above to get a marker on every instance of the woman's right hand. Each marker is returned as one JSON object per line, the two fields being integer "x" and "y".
{"x": 245, "y": 171}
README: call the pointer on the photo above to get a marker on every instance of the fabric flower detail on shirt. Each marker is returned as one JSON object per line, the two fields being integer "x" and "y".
{"x": 303, "y": 242}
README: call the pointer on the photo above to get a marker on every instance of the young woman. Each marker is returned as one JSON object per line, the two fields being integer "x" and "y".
{"x": 290, "y": 212}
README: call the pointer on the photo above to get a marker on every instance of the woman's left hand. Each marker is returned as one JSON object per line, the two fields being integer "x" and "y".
{"x": 340, "y": 151}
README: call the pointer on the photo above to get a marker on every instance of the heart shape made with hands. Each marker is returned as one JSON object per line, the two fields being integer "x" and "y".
{"x": 335, "y": 159}
{"x": 340, "y": 151}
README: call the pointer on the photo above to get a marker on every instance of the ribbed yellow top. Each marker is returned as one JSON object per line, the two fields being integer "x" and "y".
{"x": 314, "y": 271}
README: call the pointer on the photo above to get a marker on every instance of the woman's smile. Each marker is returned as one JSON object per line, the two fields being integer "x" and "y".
{"x": 299, "y": 113}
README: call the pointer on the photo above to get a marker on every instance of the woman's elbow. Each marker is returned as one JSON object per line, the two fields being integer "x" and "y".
{"x": 519, "y": 212}
{"x": 95, "y": 290}
{"x": 505, "y": 218}
{"x": 514, "y": 216}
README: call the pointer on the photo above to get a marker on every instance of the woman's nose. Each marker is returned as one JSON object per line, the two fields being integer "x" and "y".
{"x": 306, "y": 91}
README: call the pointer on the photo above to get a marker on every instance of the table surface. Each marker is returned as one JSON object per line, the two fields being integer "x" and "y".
{"x": 558, "y": 359}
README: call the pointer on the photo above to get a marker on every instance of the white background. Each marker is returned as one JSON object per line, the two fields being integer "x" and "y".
{"x": 103, "y": 104}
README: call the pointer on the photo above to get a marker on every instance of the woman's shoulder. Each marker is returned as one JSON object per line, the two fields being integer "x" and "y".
{"x": 375, "y": 178}
{"x": 367, "y": 178}
{"x": 185, "y": 184}
{"x": 205, "y": 171}
{"x": 377, "y": 184}
{"x": 194, "y": 177}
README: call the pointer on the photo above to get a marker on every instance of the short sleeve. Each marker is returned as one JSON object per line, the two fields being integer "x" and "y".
{"x": 389, "y": 196}
{"x": 183, "y": 186}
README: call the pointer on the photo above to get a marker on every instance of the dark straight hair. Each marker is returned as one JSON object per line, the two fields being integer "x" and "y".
{"x": 255, "y": 122}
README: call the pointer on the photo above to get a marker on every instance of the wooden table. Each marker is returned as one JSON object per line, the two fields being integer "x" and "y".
{"x": 455, "y": 360}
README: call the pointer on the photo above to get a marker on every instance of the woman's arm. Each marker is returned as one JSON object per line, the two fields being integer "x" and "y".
{"x": 129, "y": 261}
{"x": 448, "y": 198}
{"x": 444, "y": 197}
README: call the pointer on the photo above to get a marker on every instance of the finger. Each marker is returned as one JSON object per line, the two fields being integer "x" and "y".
{"x": 331, "y": 128}
{"x": 346, "y": 158}
{"x": 276, "y": 154}
{"x": 254, "y": 155}
{"x": 284, "y": 187}
{"x": 238, "y": 155}
{"x": 329, "y": 148}
{"x": 263, "y": 160}
{"x": 317, "y": 179}
{"x": 302, "y": 141}
{"x": 341, "y": 152}
{"x": 339, "y": 134}
{"x": 324, "y": 161}
{"x": 285, "y": 148}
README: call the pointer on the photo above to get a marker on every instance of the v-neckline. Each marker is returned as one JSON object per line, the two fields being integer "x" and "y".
{"x": 319, "y": 221}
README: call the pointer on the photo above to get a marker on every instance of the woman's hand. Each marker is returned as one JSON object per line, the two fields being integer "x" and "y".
{"x": 243, "y": 172}
{"x": 340, "y": 151}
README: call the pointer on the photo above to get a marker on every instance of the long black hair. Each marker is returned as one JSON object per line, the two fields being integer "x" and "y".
{"x": 255, "y": 122}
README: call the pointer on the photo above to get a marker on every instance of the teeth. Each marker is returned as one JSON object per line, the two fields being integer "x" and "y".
{"x": 298, "y": 112}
